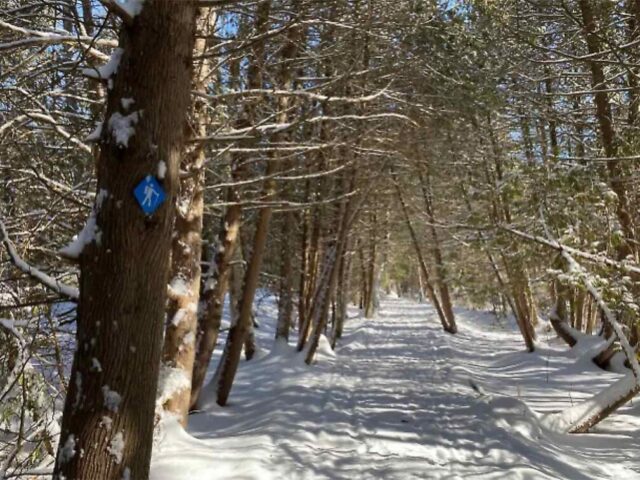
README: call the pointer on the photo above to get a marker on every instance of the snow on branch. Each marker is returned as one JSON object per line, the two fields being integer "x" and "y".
{"x": 44, "y": 279}
{"x": 581, "y": 417}
{"x": 125, "y": 9}
{"x": 577, "y": 269}
{"x": 36, "y": 38}
{"x": 295, "y": 93}
{"x": 61, "y": 131}
{"x": 107, "y": 70}
{"x": 595, "y": 258}
{"x": 275, "y": 128}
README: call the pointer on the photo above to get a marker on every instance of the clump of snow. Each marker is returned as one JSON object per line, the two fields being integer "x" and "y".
{"x": 106, "y": 422}
{"x": 178, "y": 287}
{"x": 170, "y": 381}
{"x": 178, "y": 317}
{"x": 116, "y": 447}
{"x": 162, "y": 169}
{"x": 107, "y": 70}
{"x": 102, "y": 195}
{"x": 68, "y": 451}
{"x": 127, "y": 102}
{"x": 112, "y": 399}
{"x": 132, "y": 7}
{"x": 184, "y": 204}
{"x": 126, "y": 475}
{"x": 96, "y": 134}
{"x": 78, "y": 399}
{"x": 89, "y": 233}
{"x": 189, "y": 339}
{"x": 95, "y": 365}
{"x": 324, "y": 347}
{"x": 122, "y": 127}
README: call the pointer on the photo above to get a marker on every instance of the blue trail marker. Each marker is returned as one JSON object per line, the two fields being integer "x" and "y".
{"x": 149, "y": 194}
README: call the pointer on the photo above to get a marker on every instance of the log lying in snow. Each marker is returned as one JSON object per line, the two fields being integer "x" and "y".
{"x": 580, "y": 418}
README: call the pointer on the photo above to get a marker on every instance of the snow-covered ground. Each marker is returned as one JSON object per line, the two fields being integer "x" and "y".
{"x": 402, "y": 400}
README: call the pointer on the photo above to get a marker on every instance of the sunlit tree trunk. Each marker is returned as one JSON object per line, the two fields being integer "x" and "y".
{"x": 179, "y": 349}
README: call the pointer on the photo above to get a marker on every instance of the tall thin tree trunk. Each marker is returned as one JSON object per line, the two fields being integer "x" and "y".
{"x": 214, "y": 292}
{"x": 441, "y": 271}
{"x": 433, "y": 297}
{"x": 604, "y": 115}
{"x": 179, "y": 349}
{"x": 285, "y": 300}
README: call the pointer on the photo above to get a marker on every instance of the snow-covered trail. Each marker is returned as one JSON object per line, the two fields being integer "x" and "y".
{"x": 404, "y": 400}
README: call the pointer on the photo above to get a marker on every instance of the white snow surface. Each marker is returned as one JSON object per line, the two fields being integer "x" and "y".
{"x": 401, "y": 399}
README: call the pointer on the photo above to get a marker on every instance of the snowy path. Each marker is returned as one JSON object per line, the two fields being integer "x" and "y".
{"x": 397, "y": 403}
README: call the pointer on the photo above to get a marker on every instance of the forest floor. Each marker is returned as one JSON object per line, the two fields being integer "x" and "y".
{"x": 401, "y": 399}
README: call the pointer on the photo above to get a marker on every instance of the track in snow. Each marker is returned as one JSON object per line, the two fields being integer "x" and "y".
{"x": 397, "y": 402}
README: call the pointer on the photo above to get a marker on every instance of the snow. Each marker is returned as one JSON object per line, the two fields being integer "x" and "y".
{"x": 106, "y": 422}
{"x": 116, "y": 447}
{"x": 68, "y": 451}
{"x": 95, "y": 135}
{"x": 95, "y": 365}
{"x": 107, "y": 70}
{"x": 89, "y": 233}
{"x": 112, "y": 399}
{"x": 132, "y": 7}
{"x": 189, "y": 339}
{"x": 178, "y": 317}
{"x": 401, "y": 399}
{"x": 162, "y": 169}
{"x": 122, "y": 127}
{"x": 11, "y": 326}
{"x": 102, "y": 195}
{"x": 127, "y": 102}
{"x": 171, "y": 381}
{"x": 179, "y": 287}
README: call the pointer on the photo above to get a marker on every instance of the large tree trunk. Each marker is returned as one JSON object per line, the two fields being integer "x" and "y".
{"x": 107, "y": 424}
{"x": 184, "y": 289}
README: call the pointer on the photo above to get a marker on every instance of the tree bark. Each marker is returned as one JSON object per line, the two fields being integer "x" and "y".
{"x": 441, "y": 271}
{"x": 214, "y": 292}
{"x": 608, "y": 138}
{"x": 184, "y": 291}
{"x": 433, "y": 298}
{"x": 240, "y": 325}
{"x": 124, "y": 270}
